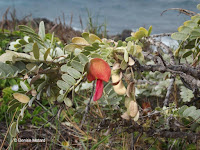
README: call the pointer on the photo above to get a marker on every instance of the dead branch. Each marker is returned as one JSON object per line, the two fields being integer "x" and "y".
{"x": 181, "y": 11}
{"x": 163, "y": 46}
{"x": 169, "y": 91}
{"x": 160, "y": 35}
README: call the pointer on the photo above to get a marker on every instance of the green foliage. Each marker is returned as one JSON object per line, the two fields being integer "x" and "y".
{"x": 186, "y": 94}
{"x": 53, "y": 76}
{"x": 189, "y": 35}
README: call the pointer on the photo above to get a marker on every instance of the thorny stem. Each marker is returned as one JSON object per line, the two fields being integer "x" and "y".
{"x": 88, "y": 105}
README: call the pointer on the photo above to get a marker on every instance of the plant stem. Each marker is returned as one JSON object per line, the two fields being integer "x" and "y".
{"x": 8, "y": 130}
{"x": 88, "y": 105}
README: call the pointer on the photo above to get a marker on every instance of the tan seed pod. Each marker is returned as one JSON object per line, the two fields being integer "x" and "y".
{"x": 130, "y": 92}
{"x": 137, "y": 116}
{"x": 131, "y": 62}
{"x": 116, "y": 66}
{"x": 116, "y": 78}
{"x": 125, "y": 116}
{"x": 21, "y": 97}
{"x": 118, "y": 86}
{"x": 127, "y": 101}
{"x": 132, "y": 108}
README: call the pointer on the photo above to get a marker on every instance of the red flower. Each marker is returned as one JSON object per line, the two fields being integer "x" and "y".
{"x": 98, "y": 70}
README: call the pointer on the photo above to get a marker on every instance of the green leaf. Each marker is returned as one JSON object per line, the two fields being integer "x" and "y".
{"x": 24, "y": 86}
{"x": 198, "y": 6}
{"x": 13, "y": 107}
{"x": 190, "y": 44}
{"x": 187, "y": 54}
{"x": 83, "y": 58}
{"x": 28, "y": 48}
{"x": 139, "y": 34}
{"x": 85, "y": 35}
{"x": 17, "y": 45}
{"x": 119, "y": 44}
{"x": 182, "y": 109}
{"x": 13, "y": 129}
{"x": 96, "y": 145}
{"x": 22, "y": 42}
{"x": 68, "y": 102}
{"x": 69, "y": 79}
{"x": 36, "y": 51}
{"x": 179, "y": 36}
{"x": 31, "y": 33}
{"x": 63, "y": 85}
{"x": 195, "y": 115}
{"x": 129, "y": 46}
{"x": 79, "y": 40}
{"x": 140, "y": 56}
{"x": 89, "y": 48}
{"x": 190, "y": 23}
{"x": 94, "y": 38}
{"x": 26, "y": 28}
{"x": 189, "y": 111}
{"x": 77, "y": 65}
{"x": 123, "y": 65}
{"x": 95, "y": 45}
{"x": 71, "y": 71}
{"x": 143, "y": 29}
{"x": 125, "y": 55}
{"x": 95, "y": 55}
{"x": 195, "y": 18}
{"x": 7, "y": 70}
{"x": 149, "y": 31}
{"x": 128, "y": 39}
{"x": 184, "y": 29}
{"x": 41, "y": 86}
{"x": 71, "y": 47}
{"x": 60, "y": 98}
{"x": 47, "y": 53}
{"x": 42, "y": 30}
{"x": 195, "y": 34}
{"x": 186, "y": 94}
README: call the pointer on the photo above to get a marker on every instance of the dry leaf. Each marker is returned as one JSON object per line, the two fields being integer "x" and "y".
{"x": 21, "y": 97}
{"x": 79, "y": 40}
{"x": 132, "y": 108}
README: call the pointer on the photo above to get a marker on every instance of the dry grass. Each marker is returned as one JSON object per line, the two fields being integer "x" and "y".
{"x": 61, "y": 30}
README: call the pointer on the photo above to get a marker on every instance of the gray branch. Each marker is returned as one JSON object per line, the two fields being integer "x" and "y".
{"x": 169, "y": 91}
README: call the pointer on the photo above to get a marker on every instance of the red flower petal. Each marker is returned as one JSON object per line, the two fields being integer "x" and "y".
{"x": 99, "y": 90}
{"x": 90, "y": 77}
{"x": 98, "y": 69}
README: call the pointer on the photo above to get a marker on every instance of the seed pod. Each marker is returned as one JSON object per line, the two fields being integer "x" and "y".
{"x": 119, "y": 88}
{"x": 130, "y": 92}
{"x": 127, "y": 101}
{"x": 125, "y": 116}
{"x": 131, "y": 62}
{"x": 132, "y": 109}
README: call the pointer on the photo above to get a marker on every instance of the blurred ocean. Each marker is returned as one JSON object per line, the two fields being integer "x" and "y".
{"x": 118, "y": 14}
